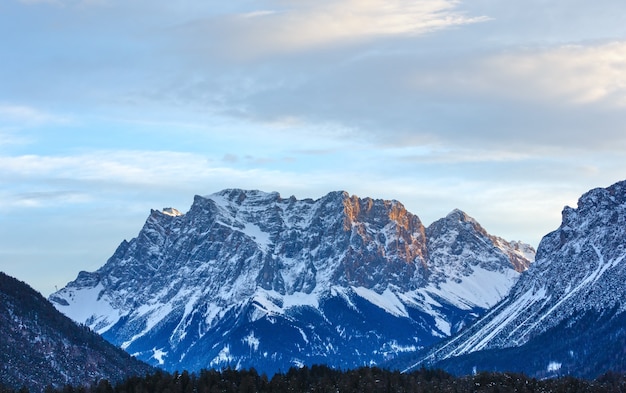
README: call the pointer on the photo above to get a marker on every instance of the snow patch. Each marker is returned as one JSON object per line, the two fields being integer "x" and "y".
{"x": 554, "y": 366}
{"x": 272, "y": 302}
{"x": 301, "y": 299}
{"x": 223, "y": 357}
{"x": 397, "y": 348}
{"x": 158, "y": 355}
{"x": 211, "y": 313}
{"x": 482, "y": 288}
{"x": 252, "y": 341}
{"x": 502, "y": 320}
{"x": 297, "y": 363}
{"x": 387, "y": 300}
{"x": 153, "y": 314}
{"x": 170, "y": 211}
{"x": 88, "y": 306}
{"x": 255, "y": 233}
{"x": 304, "y": 337}
{"x": 443, "y": 325}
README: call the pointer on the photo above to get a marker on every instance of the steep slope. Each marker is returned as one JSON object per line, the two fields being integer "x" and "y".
{"x": 247, "y": 278}
{"x": 566, "y": 313}
{"x": 39, "y": 346}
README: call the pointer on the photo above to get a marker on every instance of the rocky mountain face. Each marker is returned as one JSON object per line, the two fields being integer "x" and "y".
{"x": 41, "y": 347}
{"x": 247, "y": 278}
{"x": 566, "y": 313}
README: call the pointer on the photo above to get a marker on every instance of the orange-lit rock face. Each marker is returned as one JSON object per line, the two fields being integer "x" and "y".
{"x": 366, "y": 216}
{"x": 385, "y": 241}
{"x": 351, "y": 209}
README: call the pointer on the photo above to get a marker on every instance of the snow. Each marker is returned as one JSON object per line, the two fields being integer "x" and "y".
{"x": 301, "y": 299}
{"x": 580, "y": 264}
{"x": 502, "y": 320}
{"x": 527, "y": 253}
{"x": 388, "y": 300}
{"x": 152, "y": 315}
{"x": 519, "y": 248}
{"x": 219, "y": 200}
{"x": 554, "y": 366}
{"x": 304, "y": 337}
{"x": 268, "y": 302}
{"x": 158, "y": 355}
{"x": 483, "y": 288}
{"x": 241, "y": 215}
{"x": 590, "y": 279}
{"x": 297, "y": 362}
{"x": 170, "y": 211}
{"x": 272, "y": 302}
{"x": 223, "y": 357}
{"x": 86, "y": 305}
{"x": 180, "y": 331}
{"x": 208, "y": 285}
{"x": 501, "y": 315}
{"x": 254, "y": 232}
{"x": 252, "y": 341}
{"x": 155, "y": 314}
{"x": 397, "y": 348}
{"x": 443, "y": 325}
{"x": 211, "y": 313}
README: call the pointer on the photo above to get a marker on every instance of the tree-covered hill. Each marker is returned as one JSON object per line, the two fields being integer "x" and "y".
{"x": 39, "y": 346}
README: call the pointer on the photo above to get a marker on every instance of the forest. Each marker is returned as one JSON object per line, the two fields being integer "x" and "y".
{"x": 323, "y": 379}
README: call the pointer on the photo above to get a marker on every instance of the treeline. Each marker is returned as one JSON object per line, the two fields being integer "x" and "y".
{"x": 326, "y": 380}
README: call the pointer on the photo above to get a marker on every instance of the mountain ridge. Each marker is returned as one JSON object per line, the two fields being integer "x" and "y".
{"x": 578, "y": 276}
{"x": 356, "y": 280}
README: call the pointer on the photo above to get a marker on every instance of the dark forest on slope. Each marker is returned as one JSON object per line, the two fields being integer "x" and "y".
{"x": 40, "y": 346}
{"x": 325, "y": 379}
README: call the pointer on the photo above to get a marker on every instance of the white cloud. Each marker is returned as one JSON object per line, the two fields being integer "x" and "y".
{"x": 557, "y": 75}
{"x": 450, "y": 155}
{"x": 296, "y": 26}
{"x": 40, "y": 199}
{"x": 97, "y": 173}
{"x": 23, "y": 115}
{"x": 130, "y": 167}
{"x": 570, "y": 74}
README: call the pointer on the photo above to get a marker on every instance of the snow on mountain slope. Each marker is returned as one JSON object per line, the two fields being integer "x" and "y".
{"x": 342, "y": 280}
{"x": 580, "y": 271}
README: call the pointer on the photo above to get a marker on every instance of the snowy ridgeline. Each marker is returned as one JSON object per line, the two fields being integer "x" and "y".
{"x": 559, "y": 306}
{"x": 357, "y": 281}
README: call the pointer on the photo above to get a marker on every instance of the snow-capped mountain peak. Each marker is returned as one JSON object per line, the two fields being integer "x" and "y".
{"x": 579, "y": 274}
{"x": 170, "y": 211}
{"x": 355, "y": 280}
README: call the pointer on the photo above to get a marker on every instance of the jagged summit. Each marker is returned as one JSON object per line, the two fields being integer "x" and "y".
{"x": 344, "y": 279}
{"x": 578, "y": 277}
{"x": 238, "y": 195}
{"x": 460, "y": 215}
{"x": 170, "y": 211}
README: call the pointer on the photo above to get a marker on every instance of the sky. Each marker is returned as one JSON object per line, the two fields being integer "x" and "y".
{"x": 507, "y": 110}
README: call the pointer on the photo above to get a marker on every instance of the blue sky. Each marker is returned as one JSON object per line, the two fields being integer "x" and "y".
{"x": 109, "y": 108}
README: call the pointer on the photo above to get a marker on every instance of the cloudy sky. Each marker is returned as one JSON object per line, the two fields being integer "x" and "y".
{"x": 508, "y": 110}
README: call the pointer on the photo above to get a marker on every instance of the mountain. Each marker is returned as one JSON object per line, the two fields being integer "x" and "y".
{"x": 247, "y": 278}
{"x": 39, "y": 346}
{"x": 566, "y": 314}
